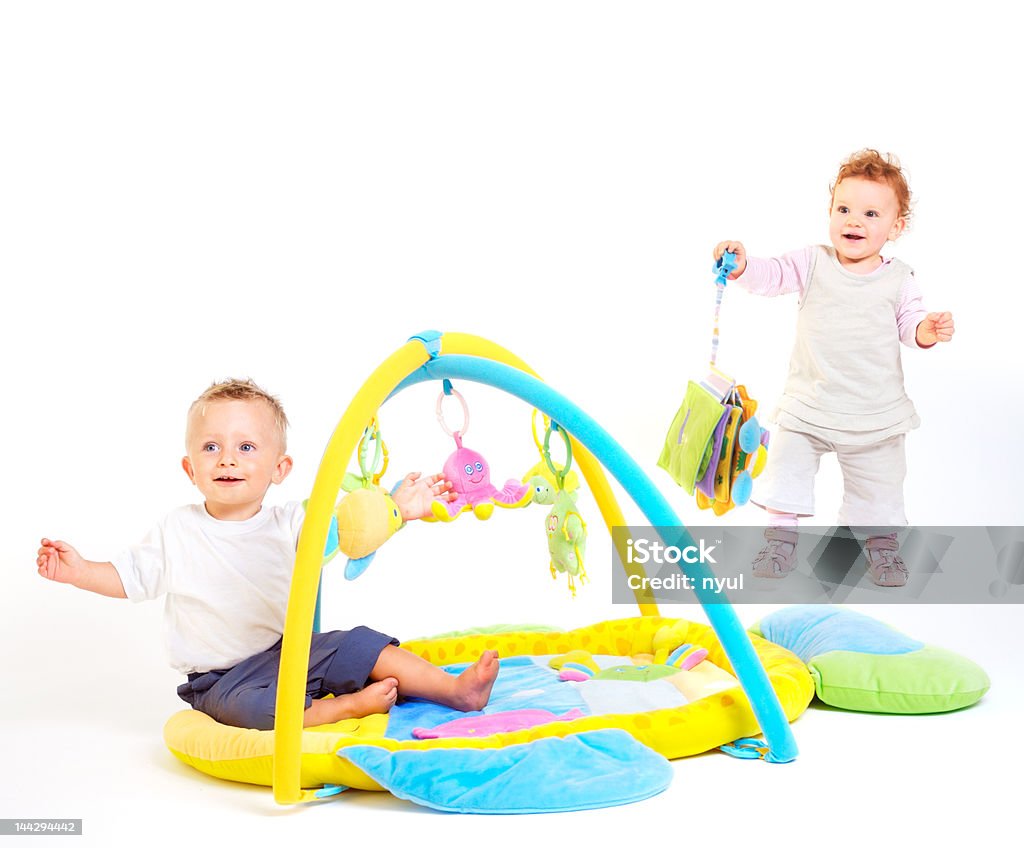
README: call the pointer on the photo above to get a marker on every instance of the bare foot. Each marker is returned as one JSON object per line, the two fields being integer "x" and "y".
{"x": 473, "y": 686}
{"x": 378, "y": 697}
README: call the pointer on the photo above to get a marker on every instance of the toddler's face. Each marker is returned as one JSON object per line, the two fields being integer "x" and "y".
{"x": 864, "y": 216}
{"x": 234, "y": 454}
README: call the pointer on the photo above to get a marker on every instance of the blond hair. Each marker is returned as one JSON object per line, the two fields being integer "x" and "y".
{"x": 246, "y": 389}
{"x": 885, "y": 168}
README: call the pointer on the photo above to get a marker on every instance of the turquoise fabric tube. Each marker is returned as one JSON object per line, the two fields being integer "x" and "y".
{"x": 721, "y": 614}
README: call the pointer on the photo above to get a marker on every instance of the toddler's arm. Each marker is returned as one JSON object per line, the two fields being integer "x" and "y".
{"x": 60, "y": 562}
{"x": 917, "y": 326}
{"x": 768, "y": 277}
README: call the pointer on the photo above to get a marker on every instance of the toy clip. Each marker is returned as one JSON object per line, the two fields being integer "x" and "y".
{"x": 724, "y": 267}
{"x": 747, "y": 748}
{"x": 559, "y": 473}
{"x": 543, "y": 476}
{"x": 372, "y": 471}
{"x": 448, "y": 391}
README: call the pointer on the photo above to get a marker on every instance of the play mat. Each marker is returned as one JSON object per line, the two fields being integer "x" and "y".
{"x": 550, "y": 685}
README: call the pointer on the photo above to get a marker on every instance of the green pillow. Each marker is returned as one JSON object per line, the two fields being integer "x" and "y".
{"x": 859, "y": 663}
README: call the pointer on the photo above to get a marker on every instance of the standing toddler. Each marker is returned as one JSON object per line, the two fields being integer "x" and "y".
{"x": 844, "y": 393}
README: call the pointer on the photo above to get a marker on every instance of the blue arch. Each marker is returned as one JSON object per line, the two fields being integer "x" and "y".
{"x": 721, "y": 614}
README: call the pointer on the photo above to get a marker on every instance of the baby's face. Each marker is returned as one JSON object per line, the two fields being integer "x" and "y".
{"x": 864, "y": 216}
{"x": 234, "y": 454}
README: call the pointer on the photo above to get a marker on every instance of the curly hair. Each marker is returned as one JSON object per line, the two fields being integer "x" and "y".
{"x": 885, "y": 168}
{"x": 233, "y": 389}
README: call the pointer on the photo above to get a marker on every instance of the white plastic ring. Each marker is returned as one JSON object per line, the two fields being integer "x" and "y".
{"x": 440, "y": 414}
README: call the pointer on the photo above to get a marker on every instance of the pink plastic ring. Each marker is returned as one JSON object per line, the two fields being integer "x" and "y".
{"x": 440, "y": 414}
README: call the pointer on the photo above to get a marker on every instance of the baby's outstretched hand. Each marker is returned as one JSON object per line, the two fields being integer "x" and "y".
{"x": 59, "y": 561}
{"x": 741, "y": 255}
{"x": 935, "y": 327}
{"x": 415, "y": 494}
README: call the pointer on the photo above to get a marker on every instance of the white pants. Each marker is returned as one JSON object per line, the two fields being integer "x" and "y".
{"x": 872, "y": 478}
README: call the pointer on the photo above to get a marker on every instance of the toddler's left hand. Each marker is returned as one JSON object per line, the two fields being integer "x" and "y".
{"x": 935, "y": 327}
{"x": 415, "y": 494}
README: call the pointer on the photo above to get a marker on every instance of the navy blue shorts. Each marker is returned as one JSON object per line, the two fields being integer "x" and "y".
{"x": 340, "y": 662}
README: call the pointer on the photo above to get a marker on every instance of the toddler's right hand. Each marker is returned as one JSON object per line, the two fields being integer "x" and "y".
{"x": 741, "y": 255}
{"x": 60, "y": 562}
{"x": 415, "y": 494}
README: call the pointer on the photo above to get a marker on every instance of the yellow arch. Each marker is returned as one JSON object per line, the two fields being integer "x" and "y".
{"x": 309, "y": 555}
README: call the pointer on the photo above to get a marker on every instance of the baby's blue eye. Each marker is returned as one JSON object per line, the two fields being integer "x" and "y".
{"x": 246, "y": 448}
{"x": 210, "y": 448}
{"x": 468, "y": 469}
{"x": 479, "y": 466}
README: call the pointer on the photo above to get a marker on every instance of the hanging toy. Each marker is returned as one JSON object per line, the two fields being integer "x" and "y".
{"x": 540, "y": 478}
{"x": 367, "y": 516}
{"x": 470, "y": 475}
{"x": 565, "y": 527}
{"x": 715, "y": 445}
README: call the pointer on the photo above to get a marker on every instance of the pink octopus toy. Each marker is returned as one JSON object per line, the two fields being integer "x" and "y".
{"x": 470, "y": 476}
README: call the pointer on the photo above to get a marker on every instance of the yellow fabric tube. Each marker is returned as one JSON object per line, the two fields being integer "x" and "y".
{"x": 298, "y": 626}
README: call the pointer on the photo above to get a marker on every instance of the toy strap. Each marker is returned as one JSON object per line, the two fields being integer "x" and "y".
{"x": 560, "y": 473}
{"x": 374, "y": 471}
{"x": 533, "y": 431}
{"x": 723, "y": 267}
{"x": 448, "y": 390}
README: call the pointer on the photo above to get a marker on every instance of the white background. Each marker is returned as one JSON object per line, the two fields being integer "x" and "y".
{"x": 191, "y": 191}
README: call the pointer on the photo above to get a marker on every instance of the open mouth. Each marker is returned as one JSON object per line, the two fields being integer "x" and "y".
{"x": 853, "y": 237}
{"x": 227, "y": 479}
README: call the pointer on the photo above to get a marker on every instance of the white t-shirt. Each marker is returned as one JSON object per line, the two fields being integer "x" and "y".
{"x": 226, "y": 582}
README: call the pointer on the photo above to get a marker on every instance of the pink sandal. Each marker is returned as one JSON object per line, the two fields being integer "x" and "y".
{"x": 885, "y": 566}
{"x": 778, "y": 557}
